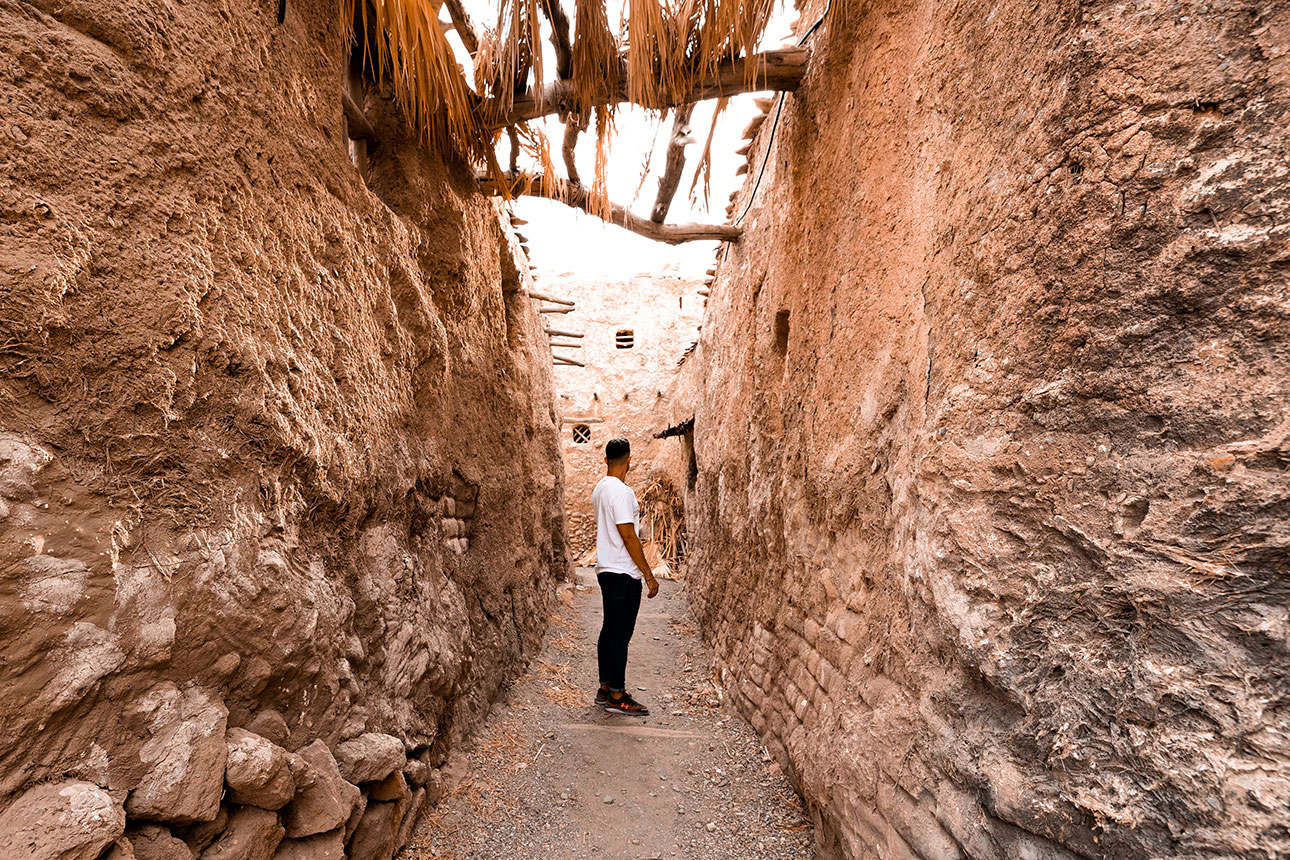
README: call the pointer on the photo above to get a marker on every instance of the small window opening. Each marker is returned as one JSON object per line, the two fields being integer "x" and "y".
{"x": 624, "y": 339}
{"x": 581, "y": 434}
{"x": 781, "y": 332}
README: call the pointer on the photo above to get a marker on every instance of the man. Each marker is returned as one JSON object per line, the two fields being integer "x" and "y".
{"x": 620, "y": 567}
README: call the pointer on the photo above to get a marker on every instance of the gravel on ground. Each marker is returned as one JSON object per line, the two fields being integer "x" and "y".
{"x": 551, "y": 776}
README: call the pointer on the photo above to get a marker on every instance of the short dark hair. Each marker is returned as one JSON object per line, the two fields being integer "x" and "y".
{"x": 617, "y": 449}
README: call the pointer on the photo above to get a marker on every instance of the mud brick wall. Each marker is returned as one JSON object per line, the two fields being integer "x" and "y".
{"x": 990, "y": 524}
{"x": 279, "y": 469}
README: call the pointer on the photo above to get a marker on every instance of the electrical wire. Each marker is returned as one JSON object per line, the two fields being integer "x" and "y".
{"x": 779, "y": 108}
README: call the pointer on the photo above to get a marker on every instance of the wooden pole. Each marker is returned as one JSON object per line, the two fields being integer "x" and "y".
{"x": 464, "y": 26}
{"x": 556, "y": 332}
{"x": 772, "y": 70}
{"x": 554, "y": 301}
{"x": 555, "y": 310}
{"x": 560, "y": 359}
{"x": 359, "y": 127}
{"x": 579, "y": 197}
{"x": 559, "y": 37}
{"x": 675, "y": 163}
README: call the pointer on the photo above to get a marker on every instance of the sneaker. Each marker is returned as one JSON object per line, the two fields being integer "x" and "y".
{"x": 602, "y": 696}
{"x": 625, "y": 705}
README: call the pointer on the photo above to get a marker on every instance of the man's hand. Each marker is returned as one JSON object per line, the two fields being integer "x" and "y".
{"x": 633, "y": 544}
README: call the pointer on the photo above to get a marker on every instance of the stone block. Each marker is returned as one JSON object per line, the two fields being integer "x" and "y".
{"x": 324, "y": 846}
{"x": 416, "y": 772}
{"x": 252, "y": 834}
{"x": 151, "y": 842}
{"x": 258, "y": 773}
{"x": 375, "y": 837}
{"x": 185, "y": 756}
{"x": 393, "y": 788}
{"x": 61, "y": 821}
{"x": 327, "y": 801}
{"x": 370, "y": 757}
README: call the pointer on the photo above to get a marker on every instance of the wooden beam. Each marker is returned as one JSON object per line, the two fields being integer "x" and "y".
{"x": 579, "y": 197}
{"x": 560, "y": 359}
{"x": 772, "y": 70}
{"x": 582, "y": 421}
{"x": 569, "y": 149}
{"x": 559, "y": 38}
{"x": 463, "y": 25}
{"x": 557, "y": 332}
{"x": 555, "y": 310}
{"x": 675, "y": 163}
{"x": 554, "y": 301}
{"x": 358, "y": 126}
{"x": 567, "y": 345}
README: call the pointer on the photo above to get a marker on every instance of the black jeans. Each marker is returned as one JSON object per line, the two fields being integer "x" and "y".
{"x": 621, "y": 595}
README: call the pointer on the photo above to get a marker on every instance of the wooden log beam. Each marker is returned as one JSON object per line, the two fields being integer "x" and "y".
{"x": 773, "y": 70}
{"x": 358, "y": 126}
{"x": 551, "y": 299}
{"x": 555, "y": 332}
{"x": 560, "y": 359}
{"x": 559, "y": 38}
{"x": 555, "y": 310}
{"x": 675, "y": 163}
{"x": 569, "y": 149}
{"x": 463, "y": 25}
{"x": 579, "y": 197}
{"x": 568, "y": 345}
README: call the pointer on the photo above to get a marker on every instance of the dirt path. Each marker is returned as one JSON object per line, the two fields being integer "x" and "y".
{"x": 553, "y": 777}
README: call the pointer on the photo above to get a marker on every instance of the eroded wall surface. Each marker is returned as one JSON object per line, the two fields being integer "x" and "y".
{"x": 990, "y": 527}
{"x": 277, "y": 450}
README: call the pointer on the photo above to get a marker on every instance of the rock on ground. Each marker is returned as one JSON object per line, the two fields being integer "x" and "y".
{"x": 374, "y": 839}
{"x": 60, "y": 821}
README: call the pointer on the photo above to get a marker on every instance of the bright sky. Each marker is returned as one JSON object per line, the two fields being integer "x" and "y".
{"x": 563, "y": 240}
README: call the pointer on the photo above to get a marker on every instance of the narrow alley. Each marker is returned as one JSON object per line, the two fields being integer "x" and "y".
{"x": 548, "y": 775}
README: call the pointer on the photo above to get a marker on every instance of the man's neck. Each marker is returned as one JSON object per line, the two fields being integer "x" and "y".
{"x": 620, "y": 474}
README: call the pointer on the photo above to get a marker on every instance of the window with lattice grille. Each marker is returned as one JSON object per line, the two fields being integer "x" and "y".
{"x": 581, "y": 434}
{"x": 624, "y": 339}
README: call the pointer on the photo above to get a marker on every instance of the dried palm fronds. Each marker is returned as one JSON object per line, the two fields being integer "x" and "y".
{"x": 596, "y": 73}
{"x": 671, "y": 44}
{"x": 412, "y": 49}
{"x": 598, "y": 200}
{"x": 508, "y": 54}
{"x": 704, "y": 167}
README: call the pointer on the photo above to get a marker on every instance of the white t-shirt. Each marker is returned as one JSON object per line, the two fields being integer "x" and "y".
{"x": 614, "y": 503}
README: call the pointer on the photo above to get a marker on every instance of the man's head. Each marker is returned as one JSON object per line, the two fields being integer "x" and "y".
{"x": 618, "y": 454}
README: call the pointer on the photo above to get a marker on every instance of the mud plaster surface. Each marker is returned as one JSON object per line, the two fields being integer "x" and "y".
{"x": 990, "y": 526}
{"x": 270, "y": 436}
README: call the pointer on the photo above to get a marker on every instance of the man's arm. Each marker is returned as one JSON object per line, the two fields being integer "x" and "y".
{"x": 637, "y": 552}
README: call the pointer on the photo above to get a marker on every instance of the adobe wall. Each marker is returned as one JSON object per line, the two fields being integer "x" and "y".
{"x": 990, "y": 527}
{"x": 277, "y": 448}
{"x": 625, "y": 390}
